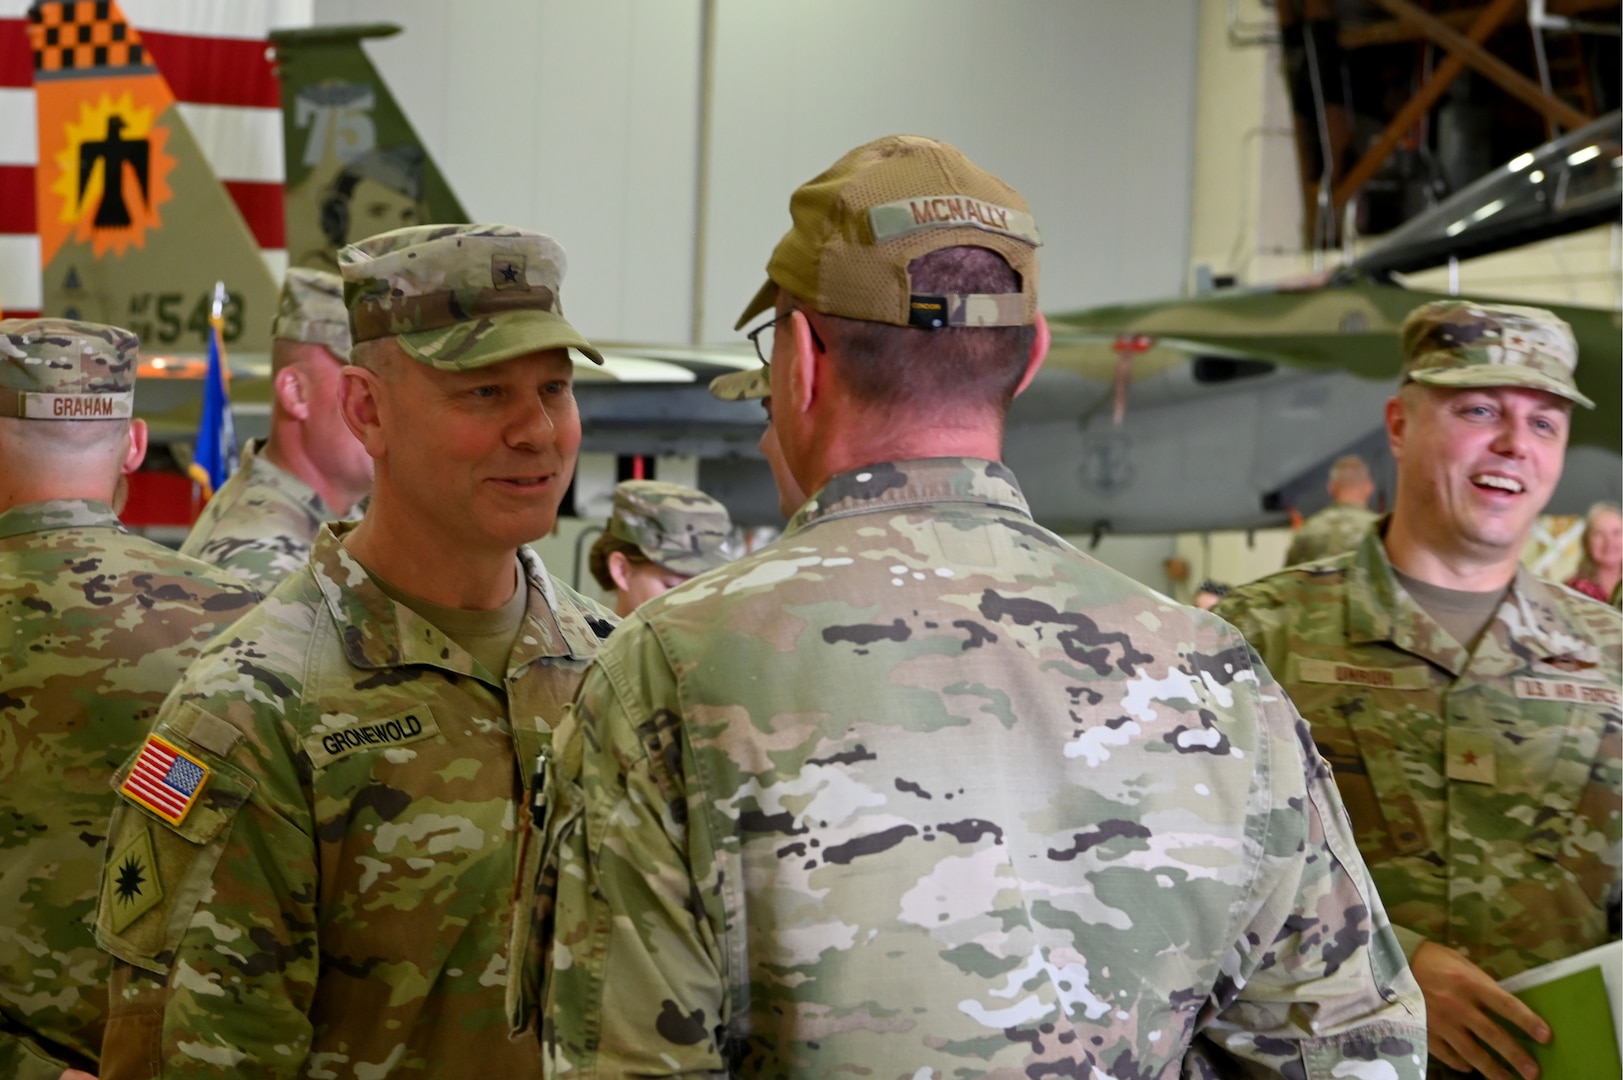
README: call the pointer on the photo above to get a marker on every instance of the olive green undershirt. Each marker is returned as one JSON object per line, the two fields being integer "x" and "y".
{"x": 488, "y": 636}
{"x": 1463, "y": 614}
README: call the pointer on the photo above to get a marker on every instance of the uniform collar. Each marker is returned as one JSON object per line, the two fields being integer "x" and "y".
{"x": 1537, "y": 633}
{"x": 1542, "y": 635}
{"x": 897, "y": 485}
{"x": 58, "y": 514}
{"x": 261, "y": 470}
{"x": 379, "y": 633}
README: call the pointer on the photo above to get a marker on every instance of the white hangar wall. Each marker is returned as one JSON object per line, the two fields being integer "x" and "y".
{"x": 584, "y": 120}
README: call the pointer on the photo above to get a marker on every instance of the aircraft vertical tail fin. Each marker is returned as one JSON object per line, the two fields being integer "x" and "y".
{"x": 134, "y": 226}
{"x": 355, "y": 165}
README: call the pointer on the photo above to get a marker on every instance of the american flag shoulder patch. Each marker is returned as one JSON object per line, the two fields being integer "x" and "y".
{"x": 165, "y": 780}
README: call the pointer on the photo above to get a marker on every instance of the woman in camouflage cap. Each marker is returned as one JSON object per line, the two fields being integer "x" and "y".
{"x": 658, "y": 536}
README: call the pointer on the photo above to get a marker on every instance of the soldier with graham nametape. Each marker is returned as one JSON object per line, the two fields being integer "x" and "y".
{"x": 96, "y": 626}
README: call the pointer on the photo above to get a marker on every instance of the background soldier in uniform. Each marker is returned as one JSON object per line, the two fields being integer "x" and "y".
{"x": 311, "y": 469}
{"x": 96, "y": 626}
{"x": 1339, "y": 526}
{"x": 1470, "y": 709}
{"x": 920, "y": 789}
{"x": 1208, "y": 593}
{"x": 657, "y": 537}
{"x": 338, "y": 900}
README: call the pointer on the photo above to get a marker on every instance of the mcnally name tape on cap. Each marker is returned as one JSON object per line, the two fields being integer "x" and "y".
{"x": 893, "y": 219}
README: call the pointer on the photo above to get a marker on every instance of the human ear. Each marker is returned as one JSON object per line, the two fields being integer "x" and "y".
{"x": 360, "y": 395}
{"x": 619, "y": 570}
{"x": 136, "y": 451}
{"x": 1039, "y": 353}
{"x": 291, "y": 393}
{"x": 1397, "y": 422}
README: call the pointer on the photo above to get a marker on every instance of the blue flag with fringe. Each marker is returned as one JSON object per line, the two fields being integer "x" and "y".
{"x": 214, "y": 455}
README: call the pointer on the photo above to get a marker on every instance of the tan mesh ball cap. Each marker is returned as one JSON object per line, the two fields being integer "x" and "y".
{"x": 858, "y": 225}
{"x": 1459, "y": 344}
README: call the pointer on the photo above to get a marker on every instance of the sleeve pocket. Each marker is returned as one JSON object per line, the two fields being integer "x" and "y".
{"x": 158, "y": 867}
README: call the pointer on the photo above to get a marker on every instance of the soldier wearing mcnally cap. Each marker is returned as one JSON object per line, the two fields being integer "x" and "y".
{"x": 311, "y": 468}
{"x": 658, "y": 536}
{"x": 341, "y": 900}
{"x": 920, "y": 790}
{"x": 1470, "y": 709}
{"x": 96, "y": 626}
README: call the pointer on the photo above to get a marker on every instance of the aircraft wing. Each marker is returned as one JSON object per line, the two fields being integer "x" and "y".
{"x": 669, "y": 383}
{"x": 654, "y": 400}
{"x": 1342, "y": 325}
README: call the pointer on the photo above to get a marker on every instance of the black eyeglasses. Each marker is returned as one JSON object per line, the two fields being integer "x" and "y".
{"x": 763, "y": 349}
{"x": 764, "y": 336}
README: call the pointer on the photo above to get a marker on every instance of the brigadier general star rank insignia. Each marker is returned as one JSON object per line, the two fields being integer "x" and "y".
{"x": 507, "y": 272}
{"x": 131, "y": 887}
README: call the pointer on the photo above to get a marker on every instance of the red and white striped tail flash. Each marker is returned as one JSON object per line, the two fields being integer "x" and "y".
{"x": 214, "y": 57}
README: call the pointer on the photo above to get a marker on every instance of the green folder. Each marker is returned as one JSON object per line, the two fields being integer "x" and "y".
{"x": 1583, "y": 1043}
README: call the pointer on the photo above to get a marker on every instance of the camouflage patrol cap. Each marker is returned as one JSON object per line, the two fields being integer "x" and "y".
{"x": 63, "y": 369}
{"x": 858, "y": 225}
{"x": 678, "y": 528}
{"x": 751, "y": 385}
{"x": 311, "y": 310}
{"x": 1458, "y": 343}
{"x": 459, "y": 296}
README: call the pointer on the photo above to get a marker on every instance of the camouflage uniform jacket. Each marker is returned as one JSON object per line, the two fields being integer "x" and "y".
{"x": 921, "y": 790}
{"x": 1336, "y": 529}
{"x": 1483, "y": 786}
{"x": 96, "y": 627}
{"x": 260, "y": 524}
{"x": 339, "y": 902}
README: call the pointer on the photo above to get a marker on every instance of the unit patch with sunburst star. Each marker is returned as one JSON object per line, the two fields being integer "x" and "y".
{"x": 130, "y": 887}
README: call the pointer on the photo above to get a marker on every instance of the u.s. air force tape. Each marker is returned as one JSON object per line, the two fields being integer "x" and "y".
{"x": 336, "y": 740}
{"x": 35, "y": 405}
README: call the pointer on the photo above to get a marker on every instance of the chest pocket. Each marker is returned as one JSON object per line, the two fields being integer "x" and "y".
{"x": 1575, "y": 820}
{"x": 1355, "y": 713}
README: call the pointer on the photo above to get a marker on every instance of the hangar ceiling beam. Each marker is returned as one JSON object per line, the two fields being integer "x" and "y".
{"x": 1398, "y": 31}
{"x": 1463, "y": 50}
{"x": 1471, "y": 51}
